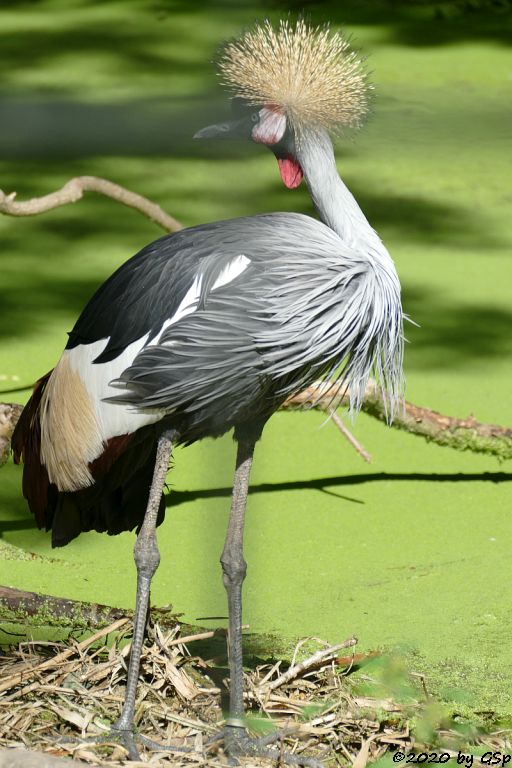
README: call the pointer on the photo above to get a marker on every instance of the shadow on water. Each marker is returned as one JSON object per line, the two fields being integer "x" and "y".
{"x": 415, "y": 22}
{"x": 43, "y": 297}
{"x": 90, "y": 34}
{"x": 321, "y": 484}
{"x": 405, "y": 22}
{"x": 24, "y": 521}
{"x": 37, "y": 126}
{"x": 450, "y": 335}
{"x": 26, "y": 524}
{"x": 410, "y": 22}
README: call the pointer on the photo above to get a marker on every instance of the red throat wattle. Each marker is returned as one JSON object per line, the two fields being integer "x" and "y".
{"x": 290, "y": 170}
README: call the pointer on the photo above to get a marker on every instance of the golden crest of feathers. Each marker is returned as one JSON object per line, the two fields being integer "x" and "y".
{"x": 309, "y": 72}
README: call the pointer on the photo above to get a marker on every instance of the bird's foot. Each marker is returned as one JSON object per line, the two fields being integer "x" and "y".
{"x": 236, "y": 739}
{"x": 127, "y": 738}
{"x": 238, "y": 743}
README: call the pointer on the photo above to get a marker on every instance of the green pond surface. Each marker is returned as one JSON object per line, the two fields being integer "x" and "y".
{"x": 410, "y": 551}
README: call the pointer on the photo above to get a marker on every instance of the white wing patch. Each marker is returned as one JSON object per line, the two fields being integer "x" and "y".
{"x": 191, "y": 299}
{"x": 235, "y": 267}
{"x": 187, "y": 305}
{"x": 114, "y": 419}
{"x": 76, "y": 421}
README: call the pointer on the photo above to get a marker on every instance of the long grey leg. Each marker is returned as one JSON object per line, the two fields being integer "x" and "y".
{"x": 234, "y": 569}
{"x": 147, "y": 558}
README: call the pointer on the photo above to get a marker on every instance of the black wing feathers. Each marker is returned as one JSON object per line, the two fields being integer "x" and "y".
{"x": 137, "y": 298}
{"x": 148, "y": 288}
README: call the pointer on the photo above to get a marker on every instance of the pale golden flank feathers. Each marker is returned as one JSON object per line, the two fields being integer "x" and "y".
{"x": 309, "y": 72}
{"x": 70, "y": 433}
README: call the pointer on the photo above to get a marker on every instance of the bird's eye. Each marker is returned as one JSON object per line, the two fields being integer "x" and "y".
{"x": 255, "y": 117}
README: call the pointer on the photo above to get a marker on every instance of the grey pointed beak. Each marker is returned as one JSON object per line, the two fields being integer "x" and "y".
{"x": 230, "y": 129}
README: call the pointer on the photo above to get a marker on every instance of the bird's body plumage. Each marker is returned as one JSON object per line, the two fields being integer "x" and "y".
{"x": 204, "y": 330}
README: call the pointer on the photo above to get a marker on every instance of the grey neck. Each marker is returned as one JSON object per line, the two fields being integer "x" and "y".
{"x": 334, "y": 202}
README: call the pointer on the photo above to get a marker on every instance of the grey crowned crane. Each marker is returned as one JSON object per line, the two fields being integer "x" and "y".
{"x": 213, "y": 327}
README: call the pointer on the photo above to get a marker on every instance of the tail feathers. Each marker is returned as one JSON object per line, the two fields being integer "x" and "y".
{"x": 115, "y": 503}
{"x": 26, "y": 445}
{"x": 117, "y": 500}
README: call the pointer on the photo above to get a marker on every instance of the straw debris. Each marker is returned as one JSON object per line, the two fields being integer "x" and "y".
{"x": 53, "y": 691}
{"x": 56, "y": 698}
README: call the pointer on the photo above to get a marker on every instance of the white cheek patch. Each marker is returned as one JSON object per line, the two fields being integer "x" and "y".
{"x": 235, "y": 267}
{"x": 270, "y": 128}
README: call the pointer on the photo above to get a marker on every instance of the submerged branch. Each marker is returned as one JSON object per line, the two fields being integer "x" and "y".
{"x": 460, "y": 434}
{"x": 35, "y": 610}
{"x": 74, "y": 189}
{"x": 18, "y": 606}
{"x": 20, "y": 612}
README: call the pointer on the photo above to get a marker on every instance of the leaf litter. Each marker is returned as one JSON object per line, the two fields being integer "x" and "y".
{"x": 57, "y": 697}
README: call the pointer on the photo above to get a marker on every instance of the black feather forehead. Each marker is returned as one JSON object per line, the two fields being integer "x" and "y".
{"x": 309, "y": 72}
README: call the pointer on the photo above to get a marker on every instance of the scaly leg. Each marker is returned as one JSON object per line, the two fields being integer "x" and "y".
{"x": 147, "y": 558}
{"x": 234, "y": 568}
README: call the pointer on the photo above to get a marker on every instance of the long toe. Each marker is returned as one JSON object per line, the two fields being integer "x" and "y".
{"x": 128, "y": 739}
{"x": 239, "y": 744}
{"x": 115, "y": 735}
{"x": 163, "y": 747}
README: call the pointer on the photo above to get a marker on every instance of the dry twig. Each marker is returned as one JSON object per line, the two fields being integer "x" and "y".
{"x": 317, "y": 658}
{"x": 74, "y": 189}
{"x": 354, "y": 442}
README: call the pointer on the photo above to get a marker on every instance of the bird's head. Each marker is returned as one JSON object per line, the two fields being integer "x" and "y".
{"x": 264, "y": 125}
{"x": 286, "y": 83}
